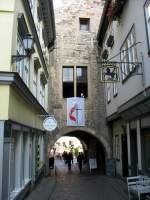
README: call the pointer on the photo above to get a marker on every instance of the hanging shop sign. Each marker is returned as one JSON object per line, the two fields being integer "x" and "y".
{"x": 110, "y": 72}
{"x": 50, "y": 124}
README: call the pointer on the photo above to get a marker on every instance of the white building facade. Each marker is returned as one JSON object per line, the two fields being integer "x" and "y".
{"x": 124, "y": 37}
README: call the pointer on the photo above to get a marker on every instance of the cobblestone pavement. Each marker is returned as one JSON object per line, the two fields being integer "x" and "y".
{"x": 85, "y": 186}
{"x": 75, "y": 186}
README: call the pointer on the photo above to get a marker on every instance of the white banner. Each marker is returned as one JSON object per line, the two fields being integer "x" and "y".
{"x": 75, "y": 111}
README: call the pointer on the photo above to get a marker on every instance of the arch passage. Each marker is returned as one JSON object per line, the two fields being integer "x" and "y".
{"x": 93, "y": 148}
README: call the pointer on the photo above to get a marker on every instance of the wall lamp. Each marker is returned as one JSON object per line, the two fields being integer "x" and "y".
{"x": 28, "y": 42}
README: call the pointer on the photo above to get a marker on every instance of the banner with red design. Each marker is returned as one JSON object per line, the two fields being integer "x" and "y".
{"x": 75, "y": 111}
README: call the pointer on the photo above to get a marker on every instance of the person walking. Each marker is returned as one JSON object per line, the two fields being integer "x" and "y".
{"x": 79, "y": 160}
{"x": 69, "y": 159}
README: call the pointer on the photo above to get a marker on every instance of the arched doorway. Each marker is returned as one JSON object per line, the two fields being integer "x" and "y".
{"x": 93, "y": 147}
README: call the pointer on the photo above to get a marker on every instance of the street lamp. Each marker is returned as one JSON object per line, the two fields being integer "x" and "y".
{"x": 28, "y": 46}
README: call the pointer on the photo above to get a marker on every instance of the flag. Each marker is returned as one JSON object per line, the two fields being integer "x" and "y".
{"x": 75, "y": 111}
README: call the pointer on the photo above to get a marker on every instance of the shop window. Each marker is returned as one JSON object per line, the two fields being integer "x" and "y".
{"x": 25, "y": 158}
{"x": 146, "y": 154}
{"x": 15, "y": 163}
{"x": 128, "y": 54}
{"x": 84, "y": 24}
{"x": 75, "y": 86}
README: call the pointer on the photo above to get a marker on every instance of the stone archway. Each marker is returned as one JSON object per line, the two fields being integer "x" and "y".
{"x": 97, "y": 145}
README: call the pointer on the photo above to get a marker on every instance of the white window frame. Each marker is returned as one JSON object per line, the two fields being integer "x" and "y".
{"x": 115, "y": 89}
{"x": 108, "y": 92}
{"x": 42, "y": 93}
{"x": 26, "y": 71}
{"x": 35, "y": 79}
{"x": 128, "y": 54}
{"x": 84, "y": 27}
{"x": 22, "y": 66}
{"x": 15, "y": 163}
{"x": 20, "y": 51}
{"x": 32, "y": 6}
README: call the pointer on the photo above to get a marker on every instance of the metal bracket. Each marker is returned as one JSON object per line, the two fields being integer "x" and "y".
{"x": 111, "y": 69}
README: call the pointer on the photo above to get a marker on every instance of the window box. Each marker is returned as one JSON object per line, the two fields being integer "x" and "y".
{"x": 115, "y": 9}
{"x": 110, "y": 41}
{"x": 105, "y": 54}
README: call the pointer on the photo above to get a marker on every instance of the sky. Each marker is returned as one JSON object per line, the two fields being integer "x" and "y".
{"x": 57, "y": 3}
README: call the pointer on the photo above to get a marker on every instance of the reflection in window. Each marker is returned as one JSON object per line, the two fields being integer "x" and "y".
{"x": 82, "y": 82}
{"x": 75, "y": 86}
{"x": 68, "y": 84}
{"x": 84, "y": 24}
{"x": 128, "y": 54}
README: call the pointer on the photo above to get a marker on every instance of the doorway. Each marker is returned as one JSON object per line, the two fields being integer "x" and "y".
{"x": 124, "y": 155}
{"x": 134, "y": 153}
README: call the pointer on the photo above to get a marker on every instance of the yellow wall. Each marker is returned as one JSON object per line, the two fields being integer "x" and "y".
{"x": 4, "y": 102}
{"x": 6, "y": 24}
{"x": 20, "y": 111}
{"x": 7, "y": 5}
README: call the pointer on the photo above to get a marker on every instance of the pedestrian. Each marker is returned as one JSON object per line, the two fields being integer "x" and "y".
{"x": 80, "y": 160}
{"x": 64, "y": 155}
{"x": 69, "y": 159}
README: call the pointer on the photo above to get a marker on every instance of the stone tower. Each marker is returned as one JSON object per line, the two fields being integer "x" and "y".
{"x": 77, "y": 23}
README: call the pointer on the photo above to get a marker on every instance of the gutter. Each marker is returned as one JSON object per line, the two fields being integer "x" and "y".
{"x": 103, "y": 24}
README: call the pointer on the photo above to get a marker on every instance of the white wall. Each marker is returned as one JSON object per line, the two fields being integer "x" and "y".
{"x": 133, "y": 13}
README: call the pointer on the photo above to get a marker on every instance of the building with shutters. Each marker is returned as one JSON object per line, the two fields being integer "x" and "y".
{"x": 124, "y": 34}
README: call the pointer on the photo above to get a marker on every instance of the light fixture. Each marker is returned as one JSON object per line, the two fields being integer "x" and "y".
{"x": 28, "y": 46}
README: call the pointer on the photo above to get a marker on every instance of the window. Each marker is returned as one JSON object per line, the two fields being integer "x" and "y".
{"x": 68, "y": 82}
{"x": 84, "y": 24}
{"x": 128, "y": 54}
{"x": 147, "y": 20}
{"x": 75, "y": 86}
{"x": 25, "y": 158}
{"x": 26, "y": 71}
{"x": 42, "y": 93}
{"x": 81, "y": 74}
{"x": 20, "y": 51}
{"x": 35, "y": 81}
{"x": 108, "y": 89}
{"x": 22, "y": 66}
{"x": 115, "y": 89}
{"x": 32, "y": 6}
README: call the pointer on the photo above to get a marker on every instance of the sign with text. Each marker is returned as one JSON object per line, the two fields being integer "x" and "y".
{"x": 75, "y": 111}
{"x": 92, "y": 163}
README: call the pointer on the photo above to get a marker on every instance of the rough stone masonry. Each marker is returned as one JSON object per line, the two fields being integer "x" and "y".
{"x": 77, "y": 48}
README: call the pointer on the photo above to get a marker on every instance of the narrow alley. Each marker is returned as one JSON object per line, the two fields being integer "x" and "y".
{"x": 75, "y": 100}
{"x": 75, "y": 186}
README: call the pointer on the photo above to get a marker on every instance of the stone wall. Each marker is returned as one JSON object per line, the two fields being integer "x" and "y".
{"x": 76, "y": 48}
